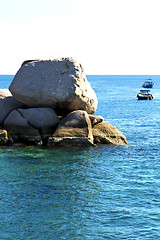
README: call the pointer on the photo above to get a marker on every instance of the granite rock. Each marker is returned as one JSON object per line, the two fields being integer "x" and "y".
{"x": 95, "y": 119}
{"x": 3, "y": 137}
{"x": 74, "y": 129}
{"x": 18, "y": 126}
{"x": 60, "y": 84}
{"x": 105, "y": 133}
{"x": 43, "y": 119}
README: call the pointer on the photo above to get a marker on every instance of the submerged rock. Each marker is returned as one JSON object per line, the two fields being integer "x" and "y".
{"x": 60, "y": 84}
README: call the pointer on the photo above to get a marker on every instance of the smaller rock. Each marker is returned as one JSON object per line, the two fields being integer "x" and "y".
{"x": 43, "y": 119}
{"x": 74, "y": 129}
{"x": 17, "y": 125}
{"x": 95, "y": 119}
{"x": 106, "y": 133}
{"x": 7, "y": 105}
{"x": 3, "y": 137}
{"x": 4, "y": 93}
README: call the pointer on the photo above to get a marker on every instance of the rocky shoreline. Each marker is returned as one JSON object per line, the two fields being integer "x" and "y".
{"x": 51, "y": 103}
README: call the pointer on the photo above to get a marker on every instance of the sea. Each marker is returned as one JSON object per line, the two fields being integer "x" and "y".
{"x": 106, "y": 192}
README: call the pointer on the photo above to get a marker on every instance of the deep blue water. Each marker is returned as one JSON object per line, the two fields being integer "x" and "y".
{"x": 107, "y": 192}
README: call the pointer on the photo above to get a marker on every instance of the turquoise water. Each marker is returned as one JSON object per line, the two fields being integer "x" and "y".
{"x": 107, "y": 192}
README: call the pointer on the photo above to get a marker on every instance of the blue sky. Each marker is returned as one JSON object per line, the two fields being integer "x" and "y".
{"x": 107, "y": 36}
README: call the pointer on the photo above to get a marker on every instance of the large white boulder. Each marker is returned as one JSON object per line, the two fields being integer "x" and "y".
{"x": 60, "y": 84}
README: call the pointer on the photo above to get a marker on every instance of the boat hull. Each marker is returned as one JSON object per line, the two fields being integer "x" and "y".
{"x": 146, "y": 97}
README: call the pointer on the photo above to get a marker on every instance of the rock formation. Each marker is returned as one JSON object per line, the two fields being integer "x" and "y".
{"x": 51, "y": 103}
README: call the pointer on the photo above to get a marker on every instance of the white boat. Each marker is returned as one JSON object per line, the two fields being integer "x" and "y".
{"x": 144, "y": 94}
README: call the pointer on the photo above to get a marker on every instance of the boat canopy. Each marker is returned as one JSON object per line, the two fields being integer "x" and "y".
{"x": 144, "y": 91}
